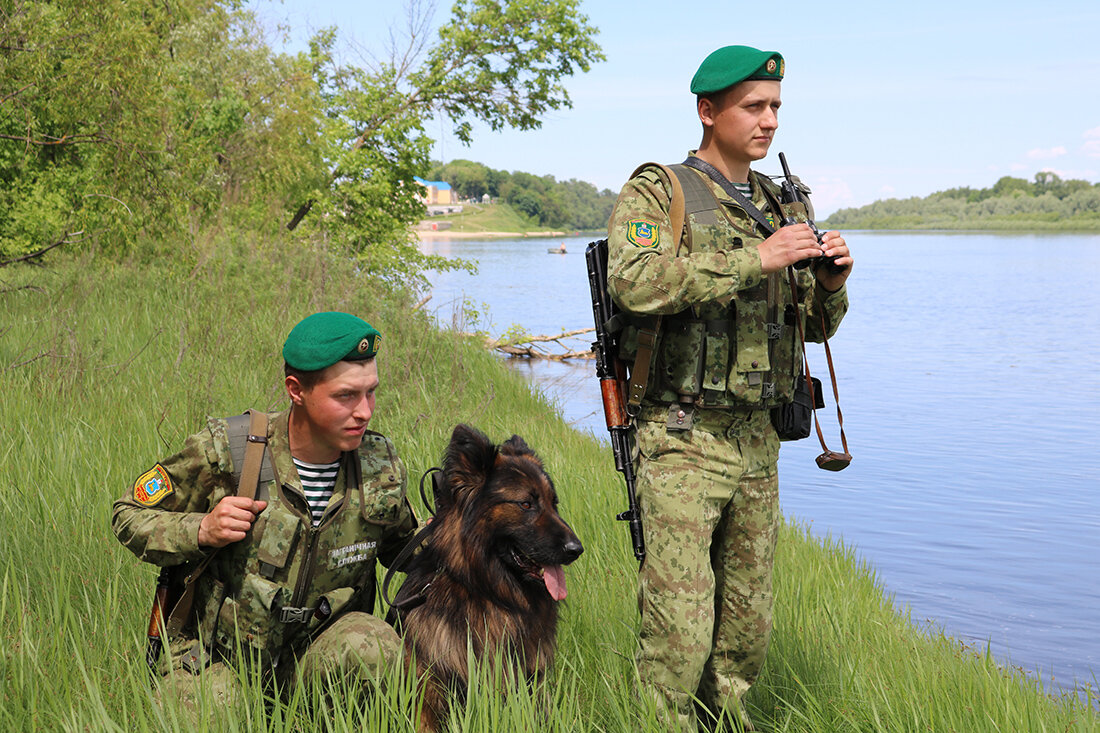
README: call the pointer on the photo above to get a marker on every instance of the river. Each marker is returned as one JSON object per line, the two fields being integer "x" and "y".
{"x": 969, "y": 377}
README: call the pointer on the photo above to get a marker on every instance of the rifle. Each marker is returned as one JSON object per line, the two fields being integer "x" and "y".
{"x": 791, "y": 194}
{"x": 613, "y": 385}
{"x": 175, "y": 593}
{"x": 158, "y": 616}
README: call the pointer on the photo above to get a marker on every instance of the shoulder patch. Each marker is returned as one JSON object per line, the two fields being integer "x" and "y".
{"x": 643, "y": 233}
{"x": 152, "y": 486}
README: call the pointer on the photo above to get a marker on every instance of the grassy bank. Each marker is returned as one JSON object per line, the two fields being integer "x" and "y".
{"x": 1015, "y": 225}
{"x": 492, "y": 219}
{"x": 104, "y": 369}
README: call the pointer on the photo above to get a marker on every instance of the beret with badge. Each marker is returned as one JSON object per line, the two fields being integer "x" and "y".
{"x": 733, "y": 64}
{"x": 322, "y": 339}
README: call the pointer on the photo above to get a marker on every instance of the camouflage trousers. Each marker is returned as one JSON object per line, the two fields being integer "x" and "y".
{"x": 355, "y": 645}
{"x": 709, "y": 500}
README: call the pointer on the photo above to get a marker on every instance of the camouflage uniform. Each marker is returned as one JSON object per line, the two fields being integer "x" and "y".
{"x": 727, "y": 352}
{"x": 289, "y": 595}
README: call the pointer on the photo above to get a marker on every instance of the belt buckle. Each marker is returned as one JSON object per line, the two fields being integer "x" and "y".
{"x": 291, "y": 615}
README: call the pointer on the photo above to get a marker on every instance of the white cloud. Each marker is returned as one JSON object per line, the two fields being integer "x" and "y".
{"x": 1045, "y": 153}
{"x": 1093, "y": 134}
{"x": 830, "y": 195}
{"x": 1092, "y": 148}
{"x": 1017, "y": 167}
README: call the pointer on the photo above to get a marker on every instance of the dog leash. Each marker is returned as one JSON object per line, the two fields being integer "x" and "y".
{"x": 401, "y": 562}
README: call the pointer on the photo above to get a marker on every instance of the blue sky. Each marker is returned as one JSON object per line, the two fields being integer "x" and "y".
{"x": 880, "y": 99}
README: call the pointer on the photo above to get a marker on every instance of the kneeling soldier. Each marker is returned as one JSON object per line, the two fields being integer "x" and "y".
{"x": 284, "y": 580}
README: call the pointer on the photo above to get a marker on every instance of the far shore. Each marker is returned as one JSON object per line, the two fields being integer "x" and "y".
{"x": 431, "y": 235}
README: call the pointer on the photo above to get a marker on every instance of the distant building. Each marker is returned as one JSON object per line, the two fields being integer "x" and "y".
{"x": 436, "y": 192}
{"x": 439, "y": 197}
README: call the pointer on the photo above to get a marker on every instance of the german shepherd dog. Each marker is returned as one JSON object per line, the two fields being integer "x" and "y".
{"x": 490, "y": 571}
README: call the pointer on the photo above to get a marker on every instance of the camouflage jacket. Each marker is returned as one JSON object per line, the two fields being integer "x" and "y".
{"x": 286, "y": 578}
{"x": 728, "y": 337}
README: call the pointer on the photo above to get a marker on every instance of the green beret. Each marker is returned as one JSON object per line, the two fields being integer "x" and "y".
{"x": 321, "y": 340}
{"x": 732, "y": 64}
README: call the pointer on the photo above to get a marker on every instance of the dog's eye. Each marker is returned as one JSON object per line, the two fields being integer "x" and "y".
{"x": 526, "y": 504}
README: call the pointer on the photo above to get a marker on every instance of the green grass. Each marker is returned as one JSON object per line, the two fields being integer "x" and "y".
{"x": 479, "y": 218}
{"x": 105, "y": 368}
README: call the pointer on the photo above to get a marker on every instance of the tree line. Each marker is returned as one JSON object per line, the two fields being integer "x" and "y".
{"x": 1046, "y": 202}
{"x": 130, "y": 126}
{"x": 569, "y": 205}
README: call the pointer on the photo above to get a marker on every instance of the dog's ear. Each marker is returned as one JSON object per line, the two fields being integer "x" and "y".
{"x": 515, "y": 446}
{"x": 467, "y": 462}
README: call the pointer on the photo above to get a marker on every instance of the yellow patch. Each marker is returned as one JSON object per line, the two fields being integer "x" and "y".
{"x": 152, "y": 486}
{"x": 643, "y": 233}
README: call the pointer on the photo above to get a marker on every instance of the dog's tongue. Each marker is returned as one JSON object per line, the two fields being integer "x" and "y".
{"x": 554, "y": 577}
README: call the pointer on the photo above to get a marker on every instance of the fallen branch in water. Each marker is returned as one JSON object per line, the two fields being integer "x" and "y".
{"x": 526, "y": 347}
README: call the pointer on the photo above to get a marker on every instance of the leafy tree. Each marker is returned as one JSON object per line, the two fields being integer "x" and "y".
{"x": 1012, "y": 203}
{"x": 500, "y": 63}
{"x": 128, "y": 118}
{"x": 1008, "y": 186}
{"x": 148, "y": 119}
{"x": 568, "y": 204}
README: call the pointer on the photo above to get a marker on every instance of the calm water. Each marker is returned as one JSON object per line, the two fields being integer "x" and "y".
{"x": 969, "y": 376}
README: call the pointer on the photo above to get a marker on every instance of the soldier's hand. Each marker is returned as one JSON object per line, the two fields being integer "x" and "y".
{"x": 789, "y": 244}
{"x": 835, "y": 246}
{"x": 229, "y": 521}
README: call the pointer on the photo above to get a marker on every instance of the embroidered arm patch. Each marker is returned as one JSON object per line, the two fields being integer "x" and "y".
{"x": 152, "y": 486}
{"x": 642, "y": 233}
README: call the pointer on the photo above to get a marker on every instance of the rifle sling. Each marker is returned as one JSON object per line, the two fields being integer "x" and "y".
{"x": 246, "y": 486}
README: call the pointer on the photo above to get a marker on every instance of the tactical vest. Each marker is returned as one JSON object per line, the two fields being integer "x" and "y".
{"x": 272, "y": 591}
{"x": 745, "y": 355}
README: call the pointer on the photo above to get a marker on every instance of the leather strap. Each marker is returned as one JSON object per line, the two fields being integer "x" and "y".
{"x": 647, "y": 337}
{"x": 253, "y": 454}
{"x": 246, "y": 486}
{"x": 806, "y": 371}
{"x": 400, "y": 563}
{"x": 836, "y": 396}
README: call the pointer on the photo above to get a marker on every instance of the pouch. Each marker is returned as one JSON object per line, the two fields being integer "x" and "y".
{"x": 793, "y": 420}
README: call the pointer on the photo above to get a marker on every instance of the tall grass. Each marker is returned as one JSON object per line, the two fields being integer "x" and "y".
{"x": 105, "y": 368}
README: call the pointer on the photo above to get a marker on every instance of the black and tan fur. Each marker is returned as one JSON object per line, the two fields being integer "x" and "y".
{"x": 488, "y": 572}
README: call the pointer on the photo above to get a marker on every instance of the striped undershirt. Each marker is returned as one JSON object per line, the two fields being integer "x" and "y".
{"x": 744, "y": 188}
{"x": 318, "y": 481}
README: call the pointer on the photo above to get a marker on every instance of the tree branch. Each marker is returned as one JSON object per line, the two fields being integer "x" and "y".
{"x": 64, "y": 240}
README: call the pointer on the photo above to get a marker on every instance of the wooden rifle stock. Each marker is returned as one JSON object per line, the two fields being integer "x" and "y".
{"x": 158, "y": 617}
{"x": 613, "y": 385}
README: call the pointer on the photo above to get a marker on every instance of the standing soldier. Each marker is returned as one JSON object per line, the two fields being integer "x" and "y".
{"x": 285, "y": 580}
{"x": 714, "y": 305}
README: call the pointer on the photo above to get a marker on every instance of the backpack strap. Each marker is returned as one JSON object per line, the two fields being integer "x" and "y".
{"x": 240, "y": 430}
{"x": 650, "y": 327}
{"x": 247, "y": 482}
